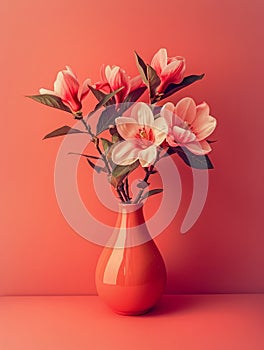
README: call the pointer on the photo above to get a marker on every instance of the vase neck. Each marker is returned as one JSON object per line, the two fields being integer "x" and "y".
{"x": 130, "y": 229}
{"x": 130, "y": 215}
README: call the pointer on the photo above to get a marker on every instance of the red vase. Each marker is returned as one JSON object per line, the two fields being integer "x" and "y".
{"x": 130, "y": 274}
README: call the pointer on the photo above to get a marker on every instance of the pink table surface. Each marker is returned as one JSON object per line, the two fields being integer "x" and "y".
{"x": 218, "y": 321}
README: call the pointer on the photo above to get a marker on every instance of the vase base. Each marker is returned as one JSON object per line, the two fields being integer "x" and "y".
{"x": 134, "y": 313}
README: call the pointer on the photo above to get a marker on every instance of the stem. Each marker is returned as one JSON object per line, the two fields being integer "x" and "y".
{"x": 148, "y": 173}
{"x": 87, "y": 127}
{"x": 127, "y": 188}
{"x": 95, "y": 140}
{"x": 120, "y": 191}
{"x": 138, "y": 196}
{"x": 120, "y": 195}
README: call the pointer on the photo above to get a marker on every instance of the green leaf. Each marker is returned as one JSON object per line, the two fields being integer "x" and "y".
{"x": 120, "y": 172}
{"x": 99, "y": 95}
{"x": 172, "y": 88}
{"x": 142, "y": 68}
{"x": 104, "y": 101}
{"x": 191, "y": 159}
{"x": 106, "y": 144}
{"x": 51, "y": 101}
{"x": 151, "y": 193}
{"x": 142, "y": 184}
{"x": 115, "y": 136}
{"x": 134, "y": 95}
{"x": 97, "y": 168}
{"x": 64, "y": 130}
{"x": 106, "y": 119}
{"x": 153, "y": 81}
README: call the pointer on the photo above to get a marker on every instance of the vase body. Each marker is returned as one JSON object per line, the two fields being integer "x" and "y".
{"x": 130, "y": 274}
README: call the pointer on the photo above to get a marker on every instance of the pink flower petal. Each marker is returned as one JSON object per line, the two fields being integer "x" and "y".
{"x": 171, "y": 67}
{"x": 207, "y": 129}
{"x": 186, "y": 110}
{"x": 143, "y": 114}
{"x": 106, "y": 73}
{"x": 176, "y": 121}
{"x": 85, "y": 89}
{"x": 101, "y": 85}
{"x": 183, "y": 136}
{"x": 167, "y": 112}
{"x": 113, "y": 77}
{"x": 127, "y": 127}
{"x": 58, "y": 84}
{"x": 136, "y": 83}
{"x": 126, "y": 152}
{"x": 69, "y": 71}
{"x": 48, "y": 92}
{"x": 159, "y": 61}
{"x": 160, "y": 130}
{"x": 147, "y": 156}
{"x": 124, "y": 120}
{"x": 171, "y": 140}
{"x": 123, "y": 81}
{"x": 204, "y": 124}
{"x": 199, "y": 148}
{"x": 67, "y": 87}
{"x": 202, "y": 114}
{"x": 173, "y": 73}
{"x": 118, "y": 78}
{"x": 102, "y": 73}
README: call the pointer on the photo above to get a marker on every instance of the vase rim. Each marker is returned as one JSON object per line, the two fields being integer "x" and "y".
{"x": 129, "y": 207}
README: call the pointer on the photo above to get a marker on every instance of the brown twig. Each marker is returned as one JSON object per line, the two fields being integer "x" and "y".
{"x": 148, "y": 173}
{"x": 95, "y": 140}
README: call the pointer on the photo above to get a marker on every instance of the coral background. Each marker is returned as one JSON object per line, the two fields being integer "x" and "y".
{"x": 223, "y": 252}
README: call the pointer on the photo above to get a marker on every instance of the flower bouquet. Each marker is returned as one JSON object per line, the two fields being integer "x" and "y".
{"x": 142, "y": 129}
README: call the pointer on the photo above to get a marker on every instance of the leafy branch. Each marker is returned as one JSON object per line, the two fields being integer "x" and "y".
{"x": 95, "y": 140}
{"x": 144, "y": 184}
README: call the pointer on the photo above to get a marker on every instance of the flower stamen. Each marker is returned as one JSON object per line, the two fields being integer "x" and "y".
{"x": 143, "y": 134}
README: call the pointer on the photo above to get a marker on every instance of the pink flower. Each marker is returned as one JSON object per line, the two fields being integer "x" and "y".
{"x": 189, "y": 125}
{"x": 169, "y": 69}
{"x": 142, "y": 135}
{"x": 113, "y": 78}
{"x": 66, "y": 86}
